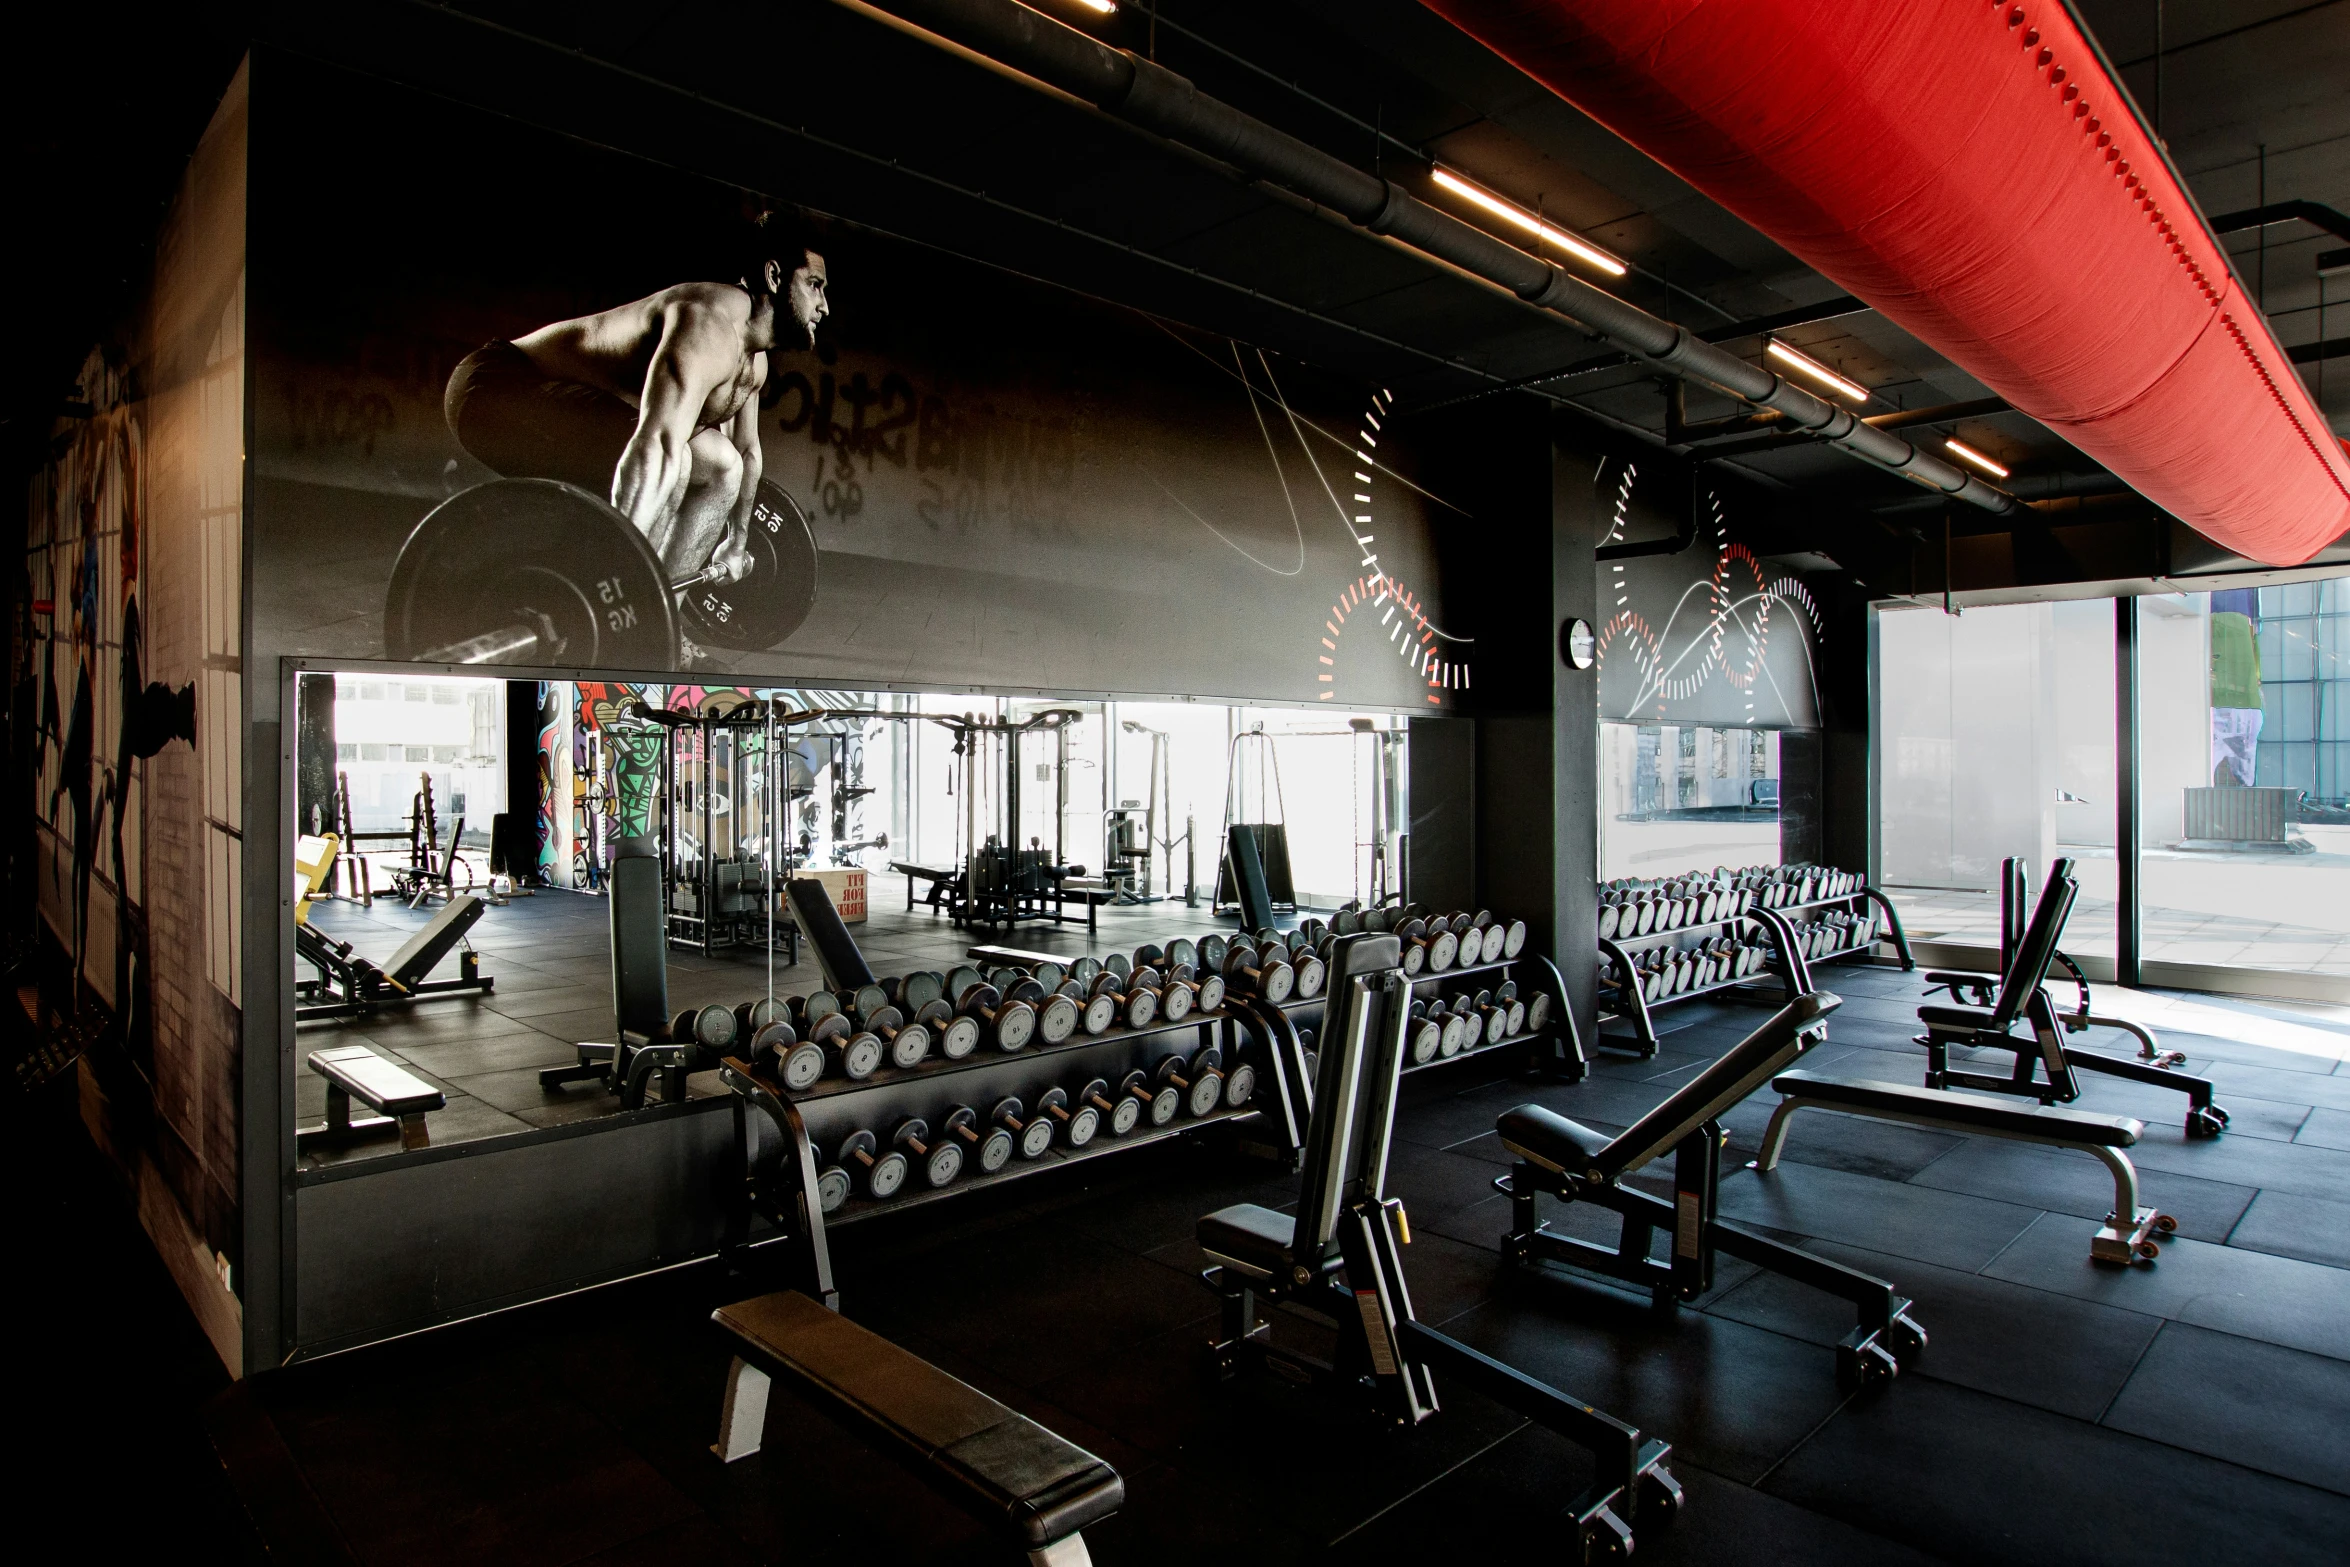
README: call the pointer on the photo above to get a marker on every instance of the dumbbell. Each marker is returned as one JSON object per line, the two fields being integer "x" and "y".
{"x": 1078, "y": 1122}
{"x": 884, "y": 1173}
{"x": 799, "y": 1063}
{"x": 1094, "y": 1013}
{"x": 832, "y": 1184}
{"x": 1199, "y": 1079}
{"x": 855, "y": 1052}
{"x": 1119, "y": 1112}
{"x": 711, "y": 1027}
{"x": 1456, "y": 1031}
{"x": 1212, "y": 951}
{"x": 1427, "y": 947}
{"x": 752, "y": 1016}
{"x": 908, "y": 1043}
{"x": 1176, "y": 997}
{"x": 1057, "y": 1017}
{"x": 1157, "y": 1102}
{"x": 992, "y": 1148}
{"x": 1010, "y": 1023}
{"x": 1032, "y": 1135}
{"x": 1139, "y": 1008}
{"x": 942, "y": 1160}
{"x": 1269, "y": 977}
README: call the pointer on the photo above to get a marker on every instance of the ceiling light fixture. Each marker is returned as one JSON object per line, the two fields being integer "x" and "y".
{"x": 1529, "y": 222}
{"x": 1961, "y": 450}
{"x": 1817, "y": 371}
{"x": 1105, "y": 7}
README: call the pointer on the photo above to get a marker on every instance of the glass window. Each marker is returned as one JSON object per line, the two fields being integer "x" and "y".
{"x": 1686, "y": 797}
{"x": 1995, "y": 736}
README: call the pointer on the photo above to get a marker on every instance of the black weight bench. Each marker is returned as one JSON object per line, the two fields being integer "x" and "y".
{"x": 399, "y": 1098}
{"x": 993, "y": 1461}
{"x": 641, "y": 1045}
{"x": 941, "y": 881}
{"x": 1573, "y": 1163}
{"x": 2131, "y": 1231}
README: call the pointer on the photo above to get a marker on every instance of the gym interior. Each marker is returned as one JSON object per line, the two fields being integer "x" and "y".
{"x": 938, "y": 780}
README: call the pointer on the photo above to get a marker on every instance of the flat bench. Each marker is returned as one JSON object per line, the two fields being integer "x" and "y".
{"x": 2131, "y": 1231}
{"x": 937, "y": 878}
{"x": 399, "y": 1097}
{"x": 1016, "y": 957}
{"x": 989, "y": 1459}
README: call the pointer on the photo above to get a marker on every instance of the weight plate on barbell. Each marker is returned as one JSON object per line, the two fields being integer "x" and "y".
{"x": 771, "y": 601}
{"x": 538, "y": 556}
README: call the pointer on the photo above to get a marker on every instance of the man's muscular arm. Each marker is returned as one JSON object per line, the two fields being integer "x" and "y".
{"x": 743, "y": 431}
{"x": 695, "y": 353}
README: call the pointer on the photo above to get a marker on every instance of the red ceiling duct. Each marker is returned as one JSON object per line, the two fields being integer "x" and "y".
{"x": 1969, "y": 169}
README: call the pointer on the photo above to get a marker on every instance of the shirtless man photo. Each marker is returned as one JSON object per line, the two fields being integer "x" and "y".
{"x": 653, "y": 405}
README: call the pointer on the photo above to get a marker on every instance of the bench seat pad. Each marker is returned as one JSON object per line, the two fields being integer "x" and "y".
{"x": 1978, "y": 1112}
{"x": 1964, "y": 1020}
{"x": 1001, "y": 1464}
{"x": 1254, "y": 1237}
{"x": 1550, "y": 1139}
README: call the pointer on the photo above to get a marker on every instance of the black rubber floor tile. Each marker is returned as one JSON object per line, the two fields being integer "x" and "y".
{"x": 2066, "y": 1181}
{"x": 1886, "y": 1150}
{"x": 2034, "y": 1346}
{"x": 1980, "y": 1479}
{"x": 545, "y": 1001}
{"x": 1734, "y": 1398}
{"x": 2211, "y": 1047}
{"x": 2309, "y": 1228}
{"x": 988, "y": 1306}
{"x": 2324, "y": 1128}
{"x": 1505, "y": 1505}
{"x": 1878, "y": 1008}
{"x": 1314, "y": 1459}
{"x": 2165, "y": 1110}
{"x": 445, "y": 1022}
{"x": 2279, "y": 1410}
{"x": 1897, "y": 1218}
{"x": 503, "y": 1053}
{"x": 1166, "y": 1190}
{"x": 2279, "y": 1300}
{"x": 1190, "y": 1517}
{"x": 1437, "y": 1185}
{"x": 2325, "y": 1090}
{"x": 2303, "y": 1169}
{"x": 697, "y": 1541}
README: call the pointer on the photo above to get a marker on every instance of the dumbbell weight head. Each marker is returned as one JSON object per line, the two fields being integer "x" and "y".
{"x": 712, "y": 1027}
{"x": 1183, "y": 952}
{"x": 859, "y": 1052}
{"x": 1415, "y": 958}
{"x": 1117, "y": 963}
{"x": 1427, "y": 1039}
{"x": 1513, "y": 940}
{"x": 798, "y": 1063}
{"x": 1176, "y": 1000}
{"x": 1269, "y": 977}
{"x": 1240, "y": 1085}
{"x": 1159, "y": 1103}
{"x": 1056, "y": 1019}
{"x": 1312, "y": 973}
{"x": 1049, "y": 975}
{"x": 1607, "y": 921}
{"x": 1150, "y": 955}
{"x": 1211, "y": 991}
{"x": 1033, "y": 1136}
{"x": 883, "y": 1173}
{"x": 832, "y": 1187}
{"x": 1346, "y": 922}
{"x": 1211, "y": 953}
{"x": 992, "y": 1147}
{"x": 919, "y": 989}
{"x": 1537, "y": 1011}
{"x": 867, "y": 1000}
{"x": 752, "y": 1016}
{"x": 1085, "y": 971}
{"x": 940, "y": 1161}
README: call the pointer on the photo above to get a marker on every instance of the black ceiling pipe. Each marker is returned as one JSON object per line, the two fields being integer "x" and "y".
{"x": 1157, "y": 100}
{"x": 2314, "y": 213}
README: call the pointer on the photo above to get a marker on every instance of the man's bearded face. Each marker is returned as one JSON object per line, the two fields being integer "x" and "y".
{"x": 807, "y": 297}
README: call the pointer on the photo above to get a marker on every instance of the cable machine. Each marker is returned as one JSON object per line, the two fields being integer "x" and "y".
{"x": 1132, "y": 838}
{"x": 1270, "y": 830}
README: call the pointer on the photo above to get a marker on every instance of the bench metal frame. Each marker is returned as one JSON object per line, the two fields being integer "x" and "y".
{"x": 1347, "y": 1268}
{"x": 1688, "y": 1126}
{"x": 349, "y": 985}
{"x": 2122, "y": 1240}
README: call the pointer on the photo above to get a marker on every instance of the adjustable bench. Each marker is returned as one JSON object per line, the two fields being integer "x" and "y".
{"x": 349, "y": 985}
{"x": 1573, "y": 1163}
{"x": 995, "y": 1462}
{"x": 2130, "y": 1233}
{"x": 837, "y": 952}
{"x": 2044, "y": 1066}
{"x": 400, "y": 1099}
{"x": 640, "y": 1045}
{"x": 1338, "y": 1258}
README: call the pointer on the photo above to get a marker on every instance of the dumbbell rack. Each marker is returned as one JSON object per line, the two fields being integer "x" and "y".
{"x": 1638, "y": 1010}
{"x": 1556, "y": 1048}
{"x": 828, "y": 1112}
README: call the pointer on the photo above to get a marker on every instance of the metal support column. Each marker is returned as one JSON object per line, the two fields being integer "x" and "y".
{"x": 2125, "y": 791}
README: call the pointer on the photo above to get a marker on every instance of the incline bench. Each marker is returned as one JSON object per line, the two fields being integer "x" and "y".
{"x": 994, "y": 1461}
{"x": 398, "y": 1096}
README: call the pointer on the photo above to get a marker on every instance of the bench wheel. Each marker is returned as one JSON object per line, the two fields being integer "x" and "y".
{"x": 1905, "y": 1338}
{"x": 2166, "y": 1223}
{"x": 2206, "y": 1121}
{"x": 1658, "y": 1499}
{"x": 1605, "y": 1538}
{"x": 2149, "y": 1252}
